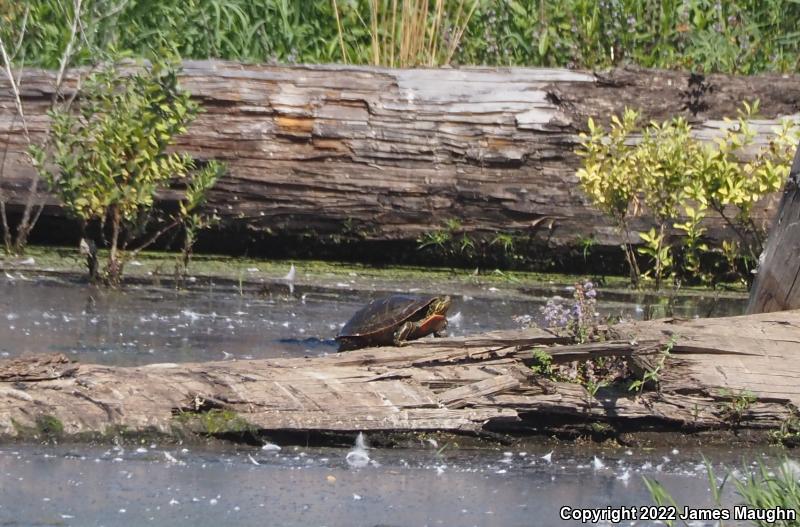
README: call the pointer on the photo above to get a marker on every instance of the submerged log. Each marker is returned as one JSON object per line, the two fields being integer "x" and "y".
{"x": 777, "y": 284}
{"x": 711, "y": 374}
{"x": 369, "y": 154}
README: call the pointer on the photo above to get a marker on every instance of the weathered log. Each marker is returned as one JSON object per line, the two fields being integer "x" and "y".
{"x": 711, "y": 374}
{"x": 777, "y": 284}
{"x": 371, "y": 154}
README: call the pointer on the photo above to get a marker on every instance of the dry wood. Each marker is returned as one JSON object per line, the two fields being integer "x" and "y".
{"x": 378, "y": 154}
{"x": 459, "y": 385}
{"x": 777, "y": 284}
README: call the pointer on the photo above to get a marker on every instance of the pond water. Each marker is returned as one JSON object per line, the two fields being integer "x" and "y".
{"x": 157, "y": 485}
{"x": 153, "y": 484}
{"x": 216, "y": 321}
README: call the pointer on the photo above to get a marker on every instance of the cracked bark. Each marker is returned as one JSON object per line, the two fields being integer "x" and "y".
{"x": 468, "y": 385}
{"x": 776, "y": 285}
{"x": 379, "y": 154}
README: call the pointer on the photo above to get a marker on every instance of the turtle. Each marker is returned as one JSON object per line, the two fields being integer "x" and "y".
{"x": 393, "y": 319}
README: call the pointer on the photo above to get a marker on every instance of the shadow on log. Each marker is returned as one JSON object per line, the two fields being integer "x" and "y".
{"x": 717, "y": 374}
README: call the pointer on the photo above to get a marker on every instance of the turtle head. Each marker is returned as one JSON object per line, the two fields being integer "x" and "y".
{"x": 439, "y": 306}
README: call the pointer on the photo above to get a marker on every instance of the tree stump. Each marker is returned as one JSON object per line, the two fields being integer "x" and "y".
{"x": 776, "y": 287}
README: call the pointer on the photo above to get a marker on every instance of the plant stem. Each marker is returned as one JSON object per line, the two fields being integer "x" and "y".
{"x": 339, "y": 28}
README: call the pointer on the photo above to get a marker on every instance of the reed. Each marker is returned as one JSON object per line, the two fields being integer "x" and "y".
{"x": 745, "y": 36}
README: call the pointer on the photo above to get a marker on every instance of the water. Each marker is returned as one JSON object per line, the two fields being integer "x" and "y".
{"x": 153, "y": 484}
{"x": 147, "y": 324}
{"x": 91, "y": 486}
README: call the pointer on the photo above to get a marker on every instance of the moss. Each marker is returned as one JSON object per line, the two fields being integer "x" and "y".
{"x": 48, "y": 426}
{"x": 155, "y": 266}
{"x": 45, "y": 428}
{"x": 214, "y": 422}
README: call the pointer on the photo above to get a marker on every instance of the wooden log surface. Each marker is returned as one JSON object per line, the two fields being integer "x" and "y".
{"x": 777, "y": 283}
{"x": 465, "y": 384}
{"x": 380, "y": 154}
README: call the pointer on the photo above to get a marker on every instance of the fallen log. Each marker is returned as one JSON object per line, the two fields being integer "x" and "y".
{"x": 337, "y": 153}
{"x": 707, "y": 374}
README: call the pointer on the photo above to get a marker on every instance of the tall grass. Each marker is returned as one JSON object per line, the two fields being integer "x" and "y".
{"x": 745, "y": 36}
{"x": 405, "y": 33}
{"x": 758, "y": 488}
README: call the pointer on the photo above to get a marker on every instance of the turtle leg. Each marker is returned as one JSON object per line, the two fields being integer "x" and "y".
{"x": 402, "y": 333}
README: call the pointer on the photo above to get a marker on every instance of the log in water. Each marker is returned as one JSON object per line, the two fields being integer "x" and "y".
{"x": 710, "y": 374}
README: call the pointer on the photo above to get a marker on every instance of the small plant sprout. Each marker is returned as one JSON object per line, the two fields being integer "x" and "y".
{"x": 736, "y": 404}
{"x": 652, "y": 374}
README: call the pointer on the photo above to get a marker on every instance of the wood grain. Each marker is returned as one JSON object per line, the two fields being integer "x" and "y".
{"x": 372, "y": 154}
{"x": 465, "y": 384}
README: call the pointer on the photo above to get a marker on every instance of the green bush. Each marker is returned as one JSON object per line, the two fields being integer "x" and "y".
{"x": 109, "y": 158}
{"x": 679, "y": 181}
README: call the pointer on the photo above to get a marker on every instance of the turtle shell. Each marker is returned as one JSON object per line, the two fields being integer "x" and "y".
{"x": 385, "y": 314}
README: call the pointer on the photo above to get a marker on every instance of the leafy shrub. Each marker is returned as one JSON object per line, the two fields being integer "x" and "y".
{"x": 680, "y": 180}
{"x": 110, "y": 158}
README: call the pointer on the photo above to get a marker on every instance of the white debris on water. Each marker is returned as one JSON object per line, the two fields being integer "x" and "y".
{"x": 252, "y": 460}
{"x": 356, "y": 497}
{"x": 172, "y": 459}
{"x": 548, "y": 457}
{"x": 270, "y": 447}
{"x": 358, "y": 456}
{"x": 191, "y": 315}
{"x": 597, "y": 463}
{"x": 455, "y": 320}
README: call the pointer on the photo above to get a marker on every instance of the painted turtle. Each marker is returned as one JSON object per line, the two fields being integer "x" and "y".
{"x": 394, "y": 319}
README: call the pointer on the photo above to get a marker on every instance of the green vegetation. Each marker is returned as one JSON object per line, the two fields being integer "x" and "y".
{"x": 747, "y": 36}
{"x": 46, "y": 428}
{"x": 759, "y": 489}
{"x": 789, "y": 432}
{"x": 679, "y": 181}
{"x": 215, "y": 422}
{"x": 452, "y": 244}
{"x": 49, "y": 427}
{"x": 542, "y": 363}
{"x": 651, "y": 375}
{"x": 737, "y": 403}
{"x": 111, "y": 159}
